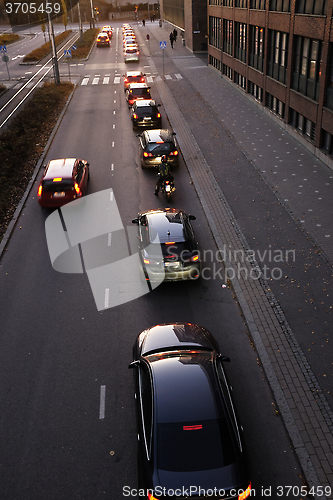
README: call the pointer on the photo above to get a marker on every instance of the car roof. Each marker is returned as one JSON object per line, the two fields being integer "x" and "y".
{"x": 103, "y": 34}
{"x": 167, "y": 223}
{"x": 60, "y": 168}
{"x": 158, "y": 135}
{"x": 176, "y": 336}
{"x": 143, "y": 103}
{"x": 138, "y": 86}
{"x": 181, "y": 381}
{"x": 134, "y": 73}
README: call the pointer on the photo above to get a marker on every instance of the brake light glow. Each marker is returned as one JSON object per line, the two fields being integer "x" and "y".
{"x": 173, "y": 153}
{"x": 192, "y": 428}
{"x": 170, "y": 243}
{"x": 146, "y": 261}
{"x": 158, "y": 115}
{"x": 151, "y": 497}
{"x": 145, "y": 154}
{"x": 39, "y": 192}
{"x": 77, "y": 188}
{"x": 135, "y": 116}
{"x": 159, "y": 142}
{"x": 195, "y": 258}
{"x": 57, "y": 179}
{"x": 245, "y": 493}
{"x": 142, "y": 79}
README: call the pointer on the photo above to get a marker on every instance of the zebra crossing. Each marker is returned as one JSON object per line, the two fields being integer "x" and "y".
{"x": 115, "y": 80}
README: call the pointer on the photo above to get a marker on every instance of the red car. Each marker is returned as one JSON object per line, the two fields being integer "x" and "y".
{"x": 64, "y": 180}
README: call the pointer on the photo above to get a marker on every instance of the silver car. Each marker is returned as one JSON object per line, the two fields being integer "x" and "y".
{"x": 168, "y": 229}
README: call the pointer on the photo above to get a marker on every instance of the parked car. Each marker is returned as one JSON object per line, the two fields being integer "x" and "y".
{"x": 133, "y": 77}
{"x": 189, "y": 436}
{"x": 181, "y": 258}
{"x": 145, "y": 114}
{"x": 64, "y": 180}
{"x": 155, "y": 143}
{"x": 103, "y": 40}
{"x": 137, "y": 91}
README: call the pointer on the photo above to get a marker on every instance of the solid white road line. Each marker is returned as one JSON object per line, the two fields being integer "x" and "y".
{"x": 102, "y": 402}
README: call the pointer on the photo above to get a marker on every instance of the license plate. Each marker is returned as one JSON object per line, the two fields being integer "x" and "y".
{"x": 59, "y": 194}
{"x": 147, "y": 119}
{"x": 168, "y": 188}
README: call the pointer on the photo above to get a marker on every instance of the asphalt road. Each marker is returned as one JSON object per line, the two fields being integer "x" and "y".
{"x": 57, "y": 350}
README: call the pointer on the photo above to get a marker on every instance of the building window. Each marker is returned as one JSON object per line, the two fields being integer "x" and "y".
{"x": 241, "y": 3}
{"x": 215, "y": 2}
{"x": 228, "y": 3}
{"x": 227, "y": 71}
{"x": 307, "y": 62}
{"x": 329, "y": 90}
{"x": 258, "y": 4}
{"x": 327, "y": 144}
{"x": 256, "y": 91}
{"x": 256, "y": 49}
{"x": 302, "y": 125}
{"x": 215, "y": 31}
{"x": 278, "y": 55}
{"x": 279, "y": 5}
{"x": 275, "y": 105}
{"x": 316, "y": 7}
{"x": 240, "y": 80}
{"x": 227, "y": 37}
{"x": 240, "y": 41}
{"x": 216, "y": 63}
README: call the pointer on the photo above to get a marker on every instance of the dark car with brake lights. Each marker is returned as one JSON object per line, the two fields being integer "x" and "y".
{"x": 64, "y": 180}
{"x": 103, "y": 40}
{"x": 133, "y": 77}
{"x": 145, "y": 114}
{"x": 169, "y": 230}
{"x": 155, "y": 143}
{"x": 137, "y": 91}
{"x": 190, "y": 443}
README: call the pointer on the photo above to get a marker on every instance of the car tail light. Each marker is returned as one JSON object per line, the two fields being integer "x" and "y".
{"x": 142, "y": 79}
{"x": 77, "y": 188}
{"x": 195, "y": 258}
{"x": 40, "y": 189}
{"x": 170, "y": 242}
{"x": 245, "y": 493}
{"x": 135, "y": 116}
{"x": 151, "y": 496}
{"x": 146, "y": 261}
{"x": 173, "y": 153}
{"x": 192, "y": 427}
{"x": 126, "y": 80}
{"x": 145, "y": 154}
{"x": 158, "y": 115}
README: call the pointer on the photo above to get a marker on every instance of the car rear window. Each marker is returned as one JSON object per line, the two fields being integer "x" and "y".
{"x": 194, "y": 446}
{"x": 158, "y": 149}
{"x": 142, "y": 111}
{"x": 63, "y": 185}
{"x": 131, "y": 51}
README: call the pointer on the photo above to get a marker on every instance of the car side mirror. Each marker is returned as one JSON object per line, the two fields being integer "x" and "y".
{"x": 135, "y": 221}
{"x": 174, "y": 133}
{"x": 158, "y": 105}
{"x": 134, "y": 363}
{"x": 224, "y": 358}
{"x": 192, "y": 217}
{"x": 87, "y": 164}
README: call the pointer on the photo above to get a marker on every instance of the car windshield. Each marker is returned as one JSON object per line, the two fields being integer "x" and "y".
{"x": 159, "y": 149}
{"x": 63, "y": 185}
{"x": 194, "y": 446}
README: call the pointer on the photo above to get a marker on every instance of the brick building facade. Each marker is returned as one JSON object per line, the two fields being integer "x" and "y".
{"x": 281, "y": 53}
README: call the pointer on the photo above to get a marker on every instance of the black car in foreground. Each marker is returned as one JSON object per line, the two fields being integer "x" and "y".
{"x": 153, "y": 144}
{"x": 189, "y": 440}
{"x": 145, "y": 114}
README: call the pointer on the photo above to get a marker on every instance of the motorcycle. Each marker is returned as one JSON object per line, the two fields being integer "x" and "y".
{"x": 167, "y": 188}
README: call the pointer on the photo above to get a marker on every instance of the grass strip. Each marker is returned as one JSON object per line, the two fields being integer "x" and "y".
{"x": 40, "y": 52}
{"x": 23, "y": 142}
{"x": 7, "y": 38}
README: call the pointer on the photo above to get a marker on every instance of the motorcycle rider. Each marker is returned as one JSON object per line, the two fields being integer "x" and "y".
{"x": 164, "y": 173}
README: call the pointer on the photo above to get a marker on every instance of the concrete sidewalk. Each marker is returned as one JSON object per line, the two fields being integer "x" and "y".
{"x": 302, "y": 185}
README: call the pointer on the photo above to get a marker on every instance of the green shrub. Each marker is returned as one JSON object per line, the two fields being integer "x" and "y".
{"x": 7, "y": 38}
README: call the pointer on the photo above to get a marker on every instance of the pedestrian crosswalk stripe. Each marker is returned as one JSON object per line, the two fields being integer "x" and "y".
{"x": 106, "y": 80}
{"x": 178, "y": 76}
{"x": 95, "y": 81}
{"x": 168, "y": 77}
{"x": 116, "y": 79}
{"x": 85, "y": 81}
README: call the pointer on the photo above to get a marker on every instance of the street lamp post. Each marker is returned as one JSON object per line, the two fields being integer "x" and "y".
{"x": 54, "y": 52}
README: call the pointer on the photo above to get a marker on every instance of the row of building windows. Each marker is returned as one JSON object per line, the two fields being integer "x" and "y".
{"x": 306, "y": 63}
{"x": 316, "y": 7}
{"x": 300, "y": 123}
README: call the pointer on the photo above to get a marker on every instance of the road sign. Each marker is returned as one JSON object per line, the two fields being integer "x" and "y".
{"x": 68, "y": 53}
{"x": 162, "y": 45}
{"x": 5, "y": 58}
{"x": 3, "y": 48}
{"x": 74, "y": 47}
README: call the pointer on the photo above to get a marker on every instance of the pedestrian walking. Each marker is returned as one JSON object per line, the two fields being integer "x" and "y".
{"x": 171, "y": 39}
{"x": 175, "y": 33}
